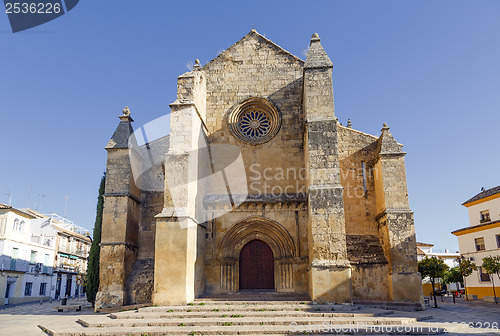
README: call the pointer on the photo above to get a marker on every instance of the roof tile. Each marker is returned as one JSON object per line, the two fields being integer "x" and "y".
{"x": 484, "y": 194}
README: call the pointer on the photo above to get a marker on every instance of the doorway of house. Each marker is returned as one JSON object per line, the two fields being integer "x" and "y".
{"x": 68, "y": 286}
{"x": 256, "y": 266}
{"x": 7, "y": 293}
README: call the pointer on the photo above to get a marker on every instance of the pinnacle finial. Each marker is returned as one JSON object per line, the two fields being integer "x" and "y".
{"x": 349, "y": 124}
{"x": 196, "y": 64}
{"x": 315, "y": 38}
{"x": 385, "y": 127}
{"x": 126, "y": 115}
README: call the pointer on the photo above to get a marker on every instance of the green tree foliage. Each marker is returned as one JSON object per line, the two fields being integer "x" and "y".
{"x": 492, "y": 266}
{"x": 466, "y": 268}
{"x": 95, "y": 249}
{"x": 433, "y": 268}
{"x": 453, "y": 275}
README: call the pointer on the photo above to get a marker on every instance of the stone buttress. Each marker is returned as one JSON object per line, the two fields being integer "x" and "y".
{"x": 329, "y": 268}
{"x": 119, "y": 240}
{"x": 179, "y": 234}
{"x": 395, "y": 220}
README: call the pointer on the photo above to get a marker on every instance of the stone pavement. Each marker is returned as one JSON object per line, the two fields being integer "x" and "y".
{"x": 459, "y": 319}
{"x": 22, "y": 320}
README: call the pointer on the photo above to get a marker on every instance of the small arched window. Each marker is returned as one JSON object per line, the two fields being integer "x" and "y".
{"x": 15, "y": 227}
{"x": 21, "y": 226}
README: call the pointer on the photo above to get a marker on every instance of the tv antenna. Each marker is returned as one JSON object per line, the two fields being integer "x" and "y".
{"x": 65, "y": 204}
{"x": 10, "y": 197}
{"x": 29, "y": 197}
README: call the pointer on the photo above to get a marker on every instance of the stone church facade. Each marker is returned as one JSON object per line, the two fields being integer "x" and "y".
{"x": 314, "y": 207}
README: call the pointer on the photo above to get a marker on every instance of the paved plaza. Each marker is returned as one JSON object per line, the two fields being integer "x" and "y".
{"x": 460, "y": 318}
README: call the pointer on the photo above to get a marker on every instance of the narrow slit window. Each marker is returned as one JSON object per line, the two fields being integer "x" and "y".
{"x": 363, "y": 168}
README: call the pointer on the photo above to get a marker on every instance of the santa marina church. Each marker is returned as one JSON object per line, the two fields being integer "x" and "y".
{"x": 261, "y": 189}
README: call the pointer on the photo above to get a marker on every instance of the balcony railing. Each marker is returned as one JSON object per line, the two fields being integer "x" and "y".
{"x": 20, "y": 265}
{"x": 67, "y": 268}
{"x": 77, "y": 252}
{"x": 47, "y": 241}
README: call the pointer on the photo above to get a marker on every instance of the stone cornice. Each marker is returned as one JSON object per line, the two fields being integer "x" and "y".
{"x": 256, "y": 202}
{"x": 392, "y": 211}
{"x": 129, "y": 245}
{"x": 132, "y": 197}
{"x": 188, "y": 102}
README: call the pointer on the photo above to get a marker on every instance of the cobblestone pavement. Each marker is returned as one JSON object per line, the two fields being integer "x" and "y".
{"x": 464, "y": 317}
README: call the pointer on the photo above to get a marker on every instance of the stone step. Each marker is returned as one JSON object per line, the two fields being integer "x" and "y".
{"x": 253, "y": 302}
{"x": 249, "y": 306}
{"x": 218, "y": 313}
{"x": 256, "y": 296}
{"x": 402, "y": 306}
{"x": 99, "y": 321}
{"x": 349, "y": 329}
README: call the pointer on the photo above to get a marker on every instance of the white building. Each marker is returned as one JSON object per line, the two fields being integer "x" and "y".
{"x": 26, "y": 259}
{"x": 41, "y": 256}
{"x": 481, "y": 239}
{"x": 72, "y": 247}
{"x": 424, "y": 250}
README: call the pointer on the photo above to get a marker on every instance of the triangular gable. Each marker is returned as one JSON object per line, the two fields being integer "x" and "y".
{"x": 253, "y": 34}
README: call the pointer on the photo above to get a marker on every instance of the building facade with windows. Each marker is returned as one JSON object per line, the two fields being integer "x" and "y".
{"x": 72, "y": 247}
{"x": 27, "y": 252}
{"x": 481, "y": 239}
{"x": 41, "y": 256}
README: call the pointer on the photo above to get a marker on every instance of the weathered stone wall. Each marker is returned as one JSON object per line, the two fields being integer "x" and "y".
{"x": 139, "y": 285}
{"x": 151, "y": 205}
{"x": 256, "y": 67}
{"x": 356, "y": 148}
{"x": 369, "y": 267}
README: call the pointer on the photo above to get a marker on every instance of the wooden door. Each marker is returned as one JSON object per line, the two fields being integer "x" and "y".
{"x": 256, "y": 266}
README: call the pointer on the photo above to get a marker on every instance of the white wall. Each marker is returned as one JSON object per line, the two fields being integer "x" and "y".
{"x": 493, "y": 206}
{"x": 23, "y": 242}
{"x": 467, "y": 244}
{"x": 468, "y": 249}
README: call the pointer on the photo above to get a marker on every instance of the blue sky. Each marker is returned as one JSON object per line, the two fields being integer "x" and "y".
{"x": 430, "y": 69}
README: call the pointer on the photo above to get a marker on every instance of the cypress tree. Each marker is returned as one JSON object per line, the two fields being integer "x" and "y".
{"x": 95, "y": 249}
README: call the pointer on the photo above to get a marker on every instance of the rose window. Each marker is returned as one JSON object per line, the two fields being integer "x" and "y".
{"x": 255, "y": 124}
{"x": 254, "y": 121}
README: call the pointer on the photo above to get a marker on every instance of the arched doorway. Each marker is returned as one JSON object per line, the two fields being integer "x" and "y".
{"x": 256, "y": 266}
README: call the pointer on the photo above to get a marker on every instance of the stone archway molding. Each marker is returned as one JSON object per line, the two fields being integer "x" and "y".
{"x": 272, "y": 233}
